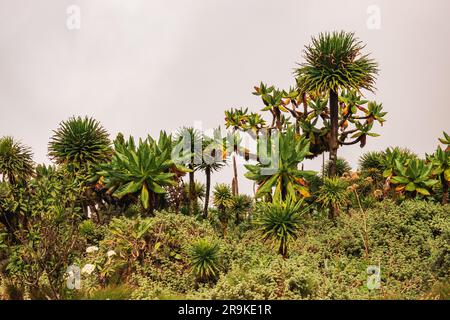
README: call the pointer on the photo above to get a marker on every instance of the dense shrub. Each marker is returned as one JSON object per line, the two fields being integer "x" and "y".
{"x": 410, "y": 243}
{"x": 147, "y": 258}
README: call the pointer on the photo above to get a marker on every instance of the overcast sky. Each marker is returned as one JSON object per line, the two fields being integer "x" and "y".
{"x": 140, "y": 66}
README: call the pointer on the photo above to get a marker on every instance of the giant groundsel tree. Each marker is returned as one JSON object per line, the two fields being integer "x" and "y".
{"x": 335, "y": 65}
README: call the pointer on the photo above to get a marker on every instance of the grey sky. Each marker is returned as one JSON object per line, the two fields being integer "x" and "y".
{"x": 140, "y": 66}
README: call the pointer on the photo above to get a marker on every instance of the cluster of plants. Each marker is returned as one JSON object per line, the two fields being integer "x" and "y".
{"x": 129, "y": 219}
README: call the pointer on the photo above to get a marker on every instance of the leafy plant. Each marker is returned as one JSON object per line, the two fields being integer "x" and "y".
{"x": 199, "y": 189}
{"x": 391, "y": 156}
{"x": 204, "y": 259}
{"x": 279, "y": 173}
{"x": 223, "y": 200}
{"x": 241, "y": 206}
{"x": 129, "y": 238}
{"x": 141, "y": 171}
{"x": 440, "y": 161}
{"x": 446, "y": 140}
{"x": 80, "y": 142}
{"x": 342, "y": 167}
{"x": 334, "y": 62}
{"x": 413, "y": 178}
{"x": 16, "y": 161}
{"x": 191, "y": 141}
{"x": 280, "y": 222}
{"x": 47, "y": 239}
{"x": 371, "y": 161}
{"x": 333, "y": 194}
{"x": 212, "y": 161}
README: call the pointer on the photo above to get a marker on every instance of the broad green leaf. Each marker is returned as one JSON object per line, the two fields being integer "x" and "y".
{"x": 423, "y": 191}
{"x": 144, "y": 197}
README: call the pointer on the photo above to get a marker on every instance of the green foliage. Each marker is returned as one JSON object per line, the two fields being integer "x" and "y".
{"x": 46, "y": 237}
{"x": 241, "y": 207}
{"x": 393, "y": 155}
{"x": 213, "y": 153}
{"x": 80, "y": 142}
{"x": 446, "y": 140}
{"x": 191, "y": 140}
{"x": 333, "y": 193}
{"x": 141, "y": 171}
{"x": 223, "y": 200}
{"x": 281, "y": 174}
{"x": 342, "y": 167}
{"x": 199, "y": 189}
{"x": 414, "y": 178}
{"x": 441, "y": 163}
{"x": 153, "y": 251}
{"x": 371, "y": 161}
{"x": 204, "y": 259}
{"x": 16, "y": 161}
{"x": 91, "y": 232}
{"x": 7, "y": 200}
{"x": 166, "y": 255}
{"x": 112, "y": 292}
{"x": 222, "y": 197}
{"x": 280, "y": 222}
{"x": 370, "y": 166}
{"x": 236, "y": 118}
{"x": 334, "y": 61}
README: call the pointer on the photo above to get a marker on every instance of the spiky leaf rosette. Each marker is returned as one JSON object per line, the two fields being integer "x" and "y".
{"x": 334, "y": 61}
{"x": 371, "y": 161}
{"x": 141, "y": 169}
{"x": 333, "y": 193}
{"x": 280, "y": 222}
{"x": 204, "y": 259}
{"x": 16, "y": 160}
{"x": 80, "y": 141}
{"x": 222, "y": 196}
{"x": 342, "y": 167}
{"x": 279, "y": 173}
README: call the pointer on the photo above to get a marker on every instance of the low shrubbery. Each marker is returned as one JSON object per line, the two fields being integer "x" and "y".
{"x": 159, "y": 258}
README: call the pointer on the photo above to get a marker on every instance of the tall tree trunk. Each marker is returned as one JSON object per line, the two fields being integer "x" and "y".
{"x": 333, "y": 143}
{"x": 278, "y": 118}
{"x": 323, "y": 166}
{"x": 207, "y": 191}
{"x": 444, "y": 189}
{"x": 191, "y": 189}
{"x": 234, "y": 185}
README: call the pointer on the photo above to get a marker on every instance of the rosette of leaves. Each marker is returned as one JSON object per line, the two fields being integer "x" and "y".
{"x": 446, "y": 140}
{"x": 342, "y": 167}
{"x": 16, "y": 161}
{"x": 141, "y": 170}
{"x": 440, "y": 161}
{"x": 241, "y": 206}
{"x": 80, "y": 142}
{"x": 214, "y": 154}
{"x": 333, "y": 194}
{"x": 414, "y": 179}
{"x": 280, "y": 222}
{"x": 278, "y": 174}
{"x": 223, "y": 200}
{"x": 236, "y": 118}
{"x": 275, "y": 102}
{"x": 204, "y": 258}
{"x": 393, "y": 155}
